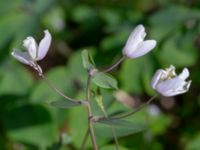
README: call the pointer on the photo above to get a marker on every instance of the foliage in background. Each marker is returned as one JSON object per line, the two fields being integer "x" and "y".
{"x": 102, "y": 26}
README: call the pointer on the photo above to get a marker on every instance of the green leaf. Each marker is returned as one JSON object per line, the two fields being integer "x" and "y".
{"x": 136, "y": 75}
{"x": 64, "y": 104}
{"x": 163, "y": 24}
{"x": 179, "y": 50}
{"x": 60, "y": 78}
{"x": 105, "y": 81}
{"x": 99, "y": 100}
{"x": 14, "y": 74}
{"x": 119, "y": 123}
{"x": 87, "y": 60}
{"x": 104, "y": 130}
{"x": 77, "y": 123}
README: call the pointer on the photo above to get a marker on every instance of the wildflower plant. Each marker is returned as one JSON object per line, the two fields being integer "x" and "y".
{"x": 165, "y": 82}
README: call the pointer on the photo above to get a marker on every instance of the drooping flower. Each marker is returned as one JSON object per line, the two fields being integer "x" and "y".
{"x": 34, "y": 51}
{"x": 167, "y": 83}
{"x": 136, "y": 46}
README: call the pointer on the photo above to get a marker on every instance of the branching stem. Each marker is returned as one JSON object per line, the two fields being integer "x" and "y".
{"x": 114, "y": 65}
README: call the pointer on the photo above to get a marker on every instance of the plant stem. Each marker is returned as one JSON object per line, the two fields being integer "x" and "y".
{"x": 85, "y": 140}
{"x": 114, "y": 65}
{"x": 113, "y": 132}
{"x": 58, "y": 91}
{"x": 136, "y": 110}
{"x": 90, "y": 115}
{"x": 115, "y": 138}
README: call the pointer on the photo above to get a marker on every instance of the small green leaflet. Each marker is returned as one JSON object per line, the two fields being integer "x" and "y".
{"x": 104, "y": 80}
{"x": 88, "y": 62}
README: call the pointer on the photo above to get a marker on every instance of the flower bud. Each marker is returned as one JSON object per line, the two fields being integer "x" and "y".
{"x": 136, "y": 46}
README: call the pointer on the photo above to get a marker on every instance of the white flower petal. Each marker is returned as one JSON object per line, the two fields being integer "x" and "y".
{"x": 136, "y": 37}
{"x": 156, "y": 78}
{"x": 23, "y": 57}
{"x": 30, "y": 44}
{"x": 184, "y": 74}
{"x": 143, "y": 48}
{"x": 44, "y": 45}
{"x": 167, "y": 83}
{"x": 172, "y": 87}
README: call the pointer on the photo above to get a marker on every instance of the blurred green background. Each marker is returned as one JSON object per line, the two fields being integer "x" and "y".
{"x": 28, "y": 122}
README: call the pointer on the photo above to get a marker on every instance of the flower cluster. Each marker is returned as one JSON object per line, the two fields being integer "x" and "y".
{"x": 165, "y": 82}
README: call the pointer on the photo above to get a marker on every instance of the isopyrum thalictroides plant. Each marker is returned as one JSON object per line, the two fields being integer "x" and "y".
{"x": 165, "y": 82}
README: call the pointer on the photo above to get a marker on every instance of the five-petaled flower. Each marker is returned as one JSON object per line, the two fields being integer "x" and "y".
{"x": 167, "y": 83}
{"x": 34, "y": 51}
{"x": 136, "y": 46}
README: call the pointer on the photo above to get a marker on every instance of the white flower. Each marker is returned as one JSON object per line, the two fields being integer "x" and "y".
{"x": 167, "y": 83}
{"x": 34, "y": 51}
{"x": 136, "y": 46}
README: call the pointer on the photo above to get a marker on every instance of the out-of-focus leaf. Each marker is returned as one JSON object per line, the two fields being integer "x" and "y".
{"x": 8, "y": 28}
{"x": 193, "y": 144}
{"x": 27, "y": 123}
{"x": 55, "y": 19}
{"x": 163, "y": 23}
{"x": 112, "y": 17}
{"x": 25, "y": 116}
{"x": 162, "y": 122}
{"x": 105, "y": 81}
{"x": 8, "y": 101}
{"x": 88, "y": 62}
{"x": 179, "y": 51}
{"x": 13, "y": 74}
{"x": 77, "y": 122}
{"x": 77, "y": 73}
{"x": 9, "y": 5}
{"x": 30, "y": 135}
{"x": 59, "y": 77}
{"x": 64, "y": 104}
{"x": 83, "y": 13}
{"x": 130, "y": 76}
{"x": 115, "y": 41}
{"x": 136, "y": 75}
{"x": 40, "y": 6}
{"x": 112, "y": 147}
{"x": 104, "y": 131}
